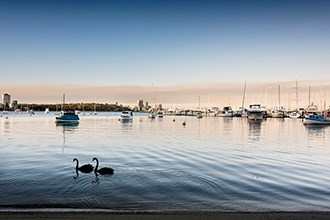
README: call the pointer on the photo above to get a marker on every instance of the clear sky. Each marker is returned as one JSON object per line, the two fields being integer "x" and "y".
{"x": 164, "y": 43}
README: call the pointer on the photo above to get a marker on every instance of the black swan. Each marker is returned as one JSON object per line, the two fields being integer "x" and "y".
{"x": 87, "y": 168}
{"x": 103, "y": 170}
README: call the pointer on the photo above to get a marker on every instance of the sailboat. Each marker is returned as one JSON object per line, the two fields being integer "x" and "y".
{"x": 94, "y": 113}
{"x": 297, "y": 113}
{"x": 153, "y": 113}
{"x": 199, "y": 113}
{"x": 242, "y": 112}
{"x": 278, "y": 111}
{"x": 67, "y": 115}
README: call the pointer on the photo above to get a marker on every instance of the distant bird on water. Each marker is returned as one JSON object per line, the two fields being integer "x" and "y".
{"x": 103, "y": 170}
{"x": 184, "y": 123}
{"x": 86, "y": 168}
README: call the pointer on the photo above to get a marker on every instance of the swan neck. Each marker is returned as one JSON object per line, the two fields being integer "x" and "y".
{"x": 77, "y": 164}
{"x": 97, "y": 164}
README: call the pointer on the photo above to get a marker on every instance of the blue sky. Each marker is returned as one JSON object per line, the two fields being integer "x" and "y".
{"x": 113, "y": 43}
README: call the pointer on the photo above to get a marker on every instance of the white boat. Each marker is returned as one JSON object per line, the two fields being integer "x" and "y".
{"x": 311, "y": 110}
{"x": 213, "y": 112}
{"x": 255, "y": 112}
{"x": 47, "y": 111}
{"x": 294, "y": 114}
{"x": 316, "y": 120}
{"x": 126, "y": 116}
{"x": 226, "y": 112}
{"x": 278, "y": 112}
{"x": 241, "y": 112}
{"x": 152, "y": 115}
{"x": 160, "y": 114}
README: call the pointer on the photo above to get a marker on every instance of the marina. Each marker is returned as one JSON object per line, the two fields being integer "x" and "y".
{"x": 210, "y": 164}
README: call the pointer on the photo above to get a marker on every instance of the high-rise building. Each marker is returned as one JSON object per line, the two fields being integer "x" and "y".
{"x": 140, "y": 104}
{"x": 14, "y": 105}
{"x": 6, "y": 100}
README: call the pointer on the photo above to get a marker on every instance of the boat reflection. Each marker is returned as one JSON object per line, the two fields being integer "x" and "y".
{"x": 254, "y": 130}
{"x": 316, "y": 131}
{"x": 68, "y": 128}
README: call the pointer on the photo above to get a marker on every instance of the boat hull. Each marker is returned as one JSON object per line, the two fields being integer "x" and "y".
{"x": 67, "y": 119}
{"x": 126, "y": 119}
{"x": 307, "y": 121}
{"x": 316, "y": 120}
{"x": 255, "y": 117}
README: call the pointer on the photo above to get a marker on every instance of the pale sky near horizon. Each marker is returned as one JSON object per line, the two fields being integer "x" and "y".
{"x": 161, "y": 43}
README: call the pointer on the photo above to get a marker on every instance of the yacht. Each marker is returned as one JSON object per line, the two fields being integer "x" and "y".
{"x": 226, "y": 112}
{"x": 152, "y": 114}
{"x": 241, "y": 112}
{"x": 213, "y": 112}
{"x": 160, "y": 114}
{"x": 126, "y": 116}
{"x": 67, "y": 116}
{"x": 294, "y": 114}
{"x": 316, "y": 120}
{"x": 278, "y": 112}
{"x": 255, "y": 112}
{"x": 311, "y": 110}
{"x": 47, "y": 111}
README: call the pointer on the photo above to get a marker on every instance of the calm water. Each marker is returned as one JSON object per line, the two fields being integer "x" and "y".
{"x": 211, "y": 164}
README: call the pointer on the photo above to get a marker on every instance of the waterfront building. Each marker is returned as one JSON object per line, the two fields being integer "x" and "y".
{"x": 14, "y": 105}
{"x": 6, "y": 100}
{"x": 140, "y": 104}
{"x": 146, "y": 106}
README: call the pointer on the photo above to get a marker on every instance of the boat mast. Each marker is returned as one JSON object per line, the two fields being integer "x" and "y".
{"x": 63, "y": 103}
{"x": 297, "y": 100}
{"x": 243, "y": 96}
{"x": 279, "y": 95}
{"x": 309, "y": 95}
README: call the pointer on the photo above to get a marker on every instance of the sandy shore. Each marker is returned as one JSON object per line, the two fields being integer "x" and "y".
{"x": 34, "y": 215}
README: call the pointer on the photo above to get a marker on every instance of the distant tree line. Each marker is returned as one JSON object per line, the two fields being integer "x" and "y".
{"x": 100, "y": 107}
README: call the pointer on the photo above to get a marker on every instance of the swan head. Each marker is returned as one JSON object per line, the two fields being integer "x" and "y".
{"x": 95, "y": 159}
{"x": 74, "y": 159}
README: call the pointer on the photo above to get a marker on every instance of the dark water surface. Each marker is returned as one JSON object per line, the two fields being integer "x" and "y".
{"x": 211, "y": 164}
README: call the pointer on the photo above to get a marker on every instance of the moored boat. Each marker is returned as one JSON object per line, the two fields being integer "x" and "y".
{"x": 226, "y": 112}
{"x": 152, "y": 114}
{"x": 278, "y": 112}
{"x": 316, "y": 120}
{"x": 255, "y": 112}
{"x": 294, "y": 114}
{"x": 126, "y": 116}
{"x": 67, "y": 116}
{"x": 160, "y": 114}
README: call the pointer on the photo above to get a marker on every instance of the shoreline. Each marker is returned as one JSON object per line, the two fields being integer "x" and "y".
{"x": 115, "y": 215}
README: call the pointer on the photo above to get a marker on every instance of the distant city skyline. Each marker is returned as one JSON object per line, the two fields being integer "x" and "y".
{"x": 89, "y": 49}
{"x": 181, "y": 96}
